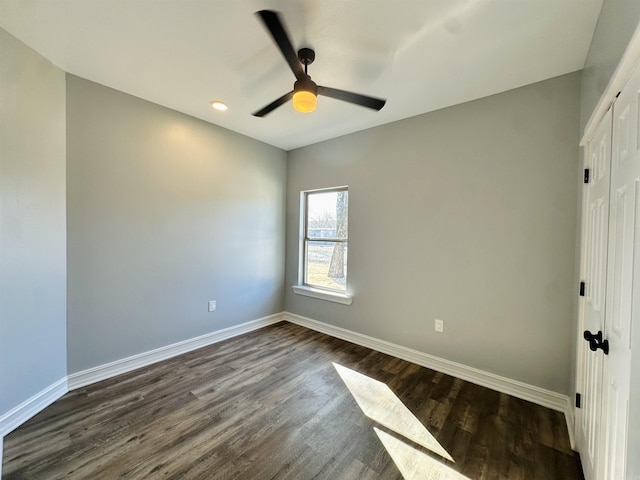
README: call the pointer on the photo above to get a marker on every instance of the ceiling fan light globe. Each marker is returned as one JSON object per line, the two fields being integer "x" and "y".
{"x": 304, "y": 101}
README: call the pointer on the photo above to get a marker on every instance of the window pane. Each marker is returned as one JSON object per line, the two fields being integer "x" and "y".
{"x": 326, "y": 265}
{"x": 328, "y": 214}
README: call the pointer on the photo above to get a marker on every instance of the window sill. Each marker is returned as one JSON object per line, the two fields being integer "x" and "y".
{"x": 335, "y": 297}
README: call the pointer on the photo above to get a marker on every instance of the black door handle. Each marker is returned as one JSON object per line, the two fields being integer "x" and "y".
{"x": 596, "y": 342}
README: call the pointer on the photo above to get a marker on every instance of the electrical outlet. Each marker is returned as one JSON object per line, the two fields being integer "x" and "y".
{"x": 439, "y": 325}
{"x": 212, "y": 305}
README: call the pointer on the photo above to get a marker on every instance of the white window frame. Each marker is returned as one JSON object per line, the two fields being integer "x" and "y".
{"x": 302, "y": 288}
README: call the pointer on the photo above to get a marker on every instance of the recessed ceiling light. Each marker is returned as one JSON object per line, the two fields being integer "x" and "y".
{"x": 218, "y": 105}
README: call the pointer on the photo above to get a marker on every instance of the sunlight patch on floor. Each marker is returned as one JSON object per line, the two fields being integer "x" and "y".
{"x": 379, "y": 403}
{"x": 414, "y": 464}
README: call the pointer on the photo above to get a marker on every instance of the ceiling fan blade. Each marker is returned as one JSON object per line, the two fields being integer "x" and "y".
{"x": 274, "y": 24}
{"x": 273, "y": 105}
{"x": 363, "y": 100}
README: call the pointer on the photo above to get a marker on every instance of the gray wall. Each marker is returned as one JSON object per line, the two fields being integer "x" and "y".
{"x": 616, "y": 24}
{"x": 32, "y": 223}
{"x": 467, "y": 214}
{"x": 165, "y": 212}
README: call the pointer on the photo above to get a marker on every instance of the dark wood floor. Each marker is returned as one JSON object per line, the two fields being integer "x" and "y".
{"x": 271, "y": 405}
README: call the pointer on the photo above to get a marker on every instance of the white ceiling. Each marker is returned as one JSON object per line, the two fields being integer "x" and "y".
{"x": 421, "y": 55}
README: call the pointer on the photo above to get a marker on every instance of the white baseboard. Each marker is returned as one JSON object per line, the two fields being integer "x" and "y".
{"x": 571, "y": 423}
{"x": 540, "y": 396}
{"x": 27, "y": 409}
{"x": 124, "y": 365}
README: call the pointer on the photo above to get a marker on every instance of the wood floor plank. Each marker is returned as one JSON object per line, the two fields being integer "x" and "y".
{"x": 271, "y": 405}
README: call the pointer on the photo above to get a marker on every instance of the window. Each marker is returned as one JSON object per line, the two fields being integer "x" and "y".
{"x": 324, "y": 240}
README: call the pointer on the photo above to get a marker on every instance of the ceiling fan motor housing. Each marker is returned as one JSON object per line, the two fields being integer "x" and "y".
{"x": 305, "y": 84}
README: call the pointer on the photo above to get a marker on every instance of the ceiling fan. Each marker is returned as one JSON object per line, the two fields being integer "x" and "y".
{"x": 305, "y": 90}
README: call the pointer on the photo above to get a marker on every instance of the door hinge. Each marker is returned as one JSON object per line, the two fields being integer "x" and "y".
{"x": 578, "y": 400}
{"x": 586, "y": 175}
{"x": 582, "y": 285}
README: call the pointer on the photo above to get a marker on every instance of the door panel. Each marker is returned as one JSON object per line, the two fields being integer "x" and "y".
{"x": 625, "y": 177}
{"x": 592, "y": 315}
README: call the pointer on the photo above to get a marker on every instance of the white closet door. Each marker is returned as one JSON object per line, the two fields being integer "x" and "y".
{"x": 594, "y": 268}
{"x": 623, "y": 226}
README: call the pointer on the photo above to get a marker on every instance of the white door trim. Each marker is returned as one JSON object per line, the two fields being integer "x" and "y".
{"x": 621, "y": 75}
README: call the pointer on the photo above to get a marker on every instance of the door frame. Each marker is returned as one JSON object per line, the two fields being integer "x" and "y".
{"x": 629, "y": 61}
{"x": 619, "y": 79}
